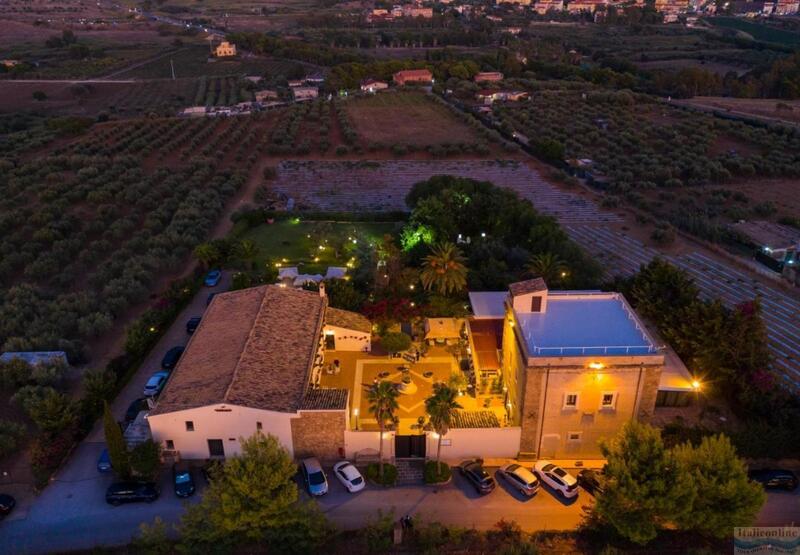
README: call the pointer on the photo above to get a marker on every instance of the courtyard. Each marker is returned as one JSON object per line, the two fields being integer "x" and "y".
{"x": 357, "y": 371}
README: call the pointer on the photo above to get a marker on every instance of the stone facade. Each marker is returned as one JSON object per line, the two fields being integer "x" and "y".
{"x": 319, "y": 434}
{"x": 649, "y": 392}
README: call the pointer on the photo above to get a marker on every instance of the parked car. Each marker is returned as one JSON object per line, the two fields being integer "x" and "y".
{"x": 775, "y": 478}
{"x": 212, "y": 278}
{"x": 349, "y": 476}
{"x": 557, "y": 478}
{"x": 155, "y": 384}
{"x": 131, "y": 492}
{"x": 171, "y": 358}
{"x": 104, "y": 462}
{"x": 520, "y": 478}
{"x": 210, "y": 298}
{"x": 135, "y": 408}
{"x": 7, "y": 504}
{"x": 591, "y": 480}
{"x": 182, "y": 480}
{"x": 192, "y": 324}
{"x": 313, "y": 476}
{"x": 473, "y": 471}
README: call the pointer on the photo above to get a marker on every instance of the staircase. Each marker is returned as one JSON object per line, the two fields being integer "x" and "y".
{"x": 410, "y": 471}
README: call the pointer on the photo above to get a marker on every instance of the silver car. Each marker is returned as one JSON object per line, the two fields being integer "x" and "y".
{"x": 314, "y": 477}
{"x": 520, "y": 478}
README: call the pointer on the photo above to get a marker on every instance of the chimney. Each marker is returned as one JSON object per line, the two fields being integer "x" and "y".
{"x": 322, "y": 289}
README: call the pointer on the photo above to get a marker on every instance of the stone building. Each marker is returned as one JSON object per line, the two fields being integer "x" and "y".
{"x": 575, "y": 365}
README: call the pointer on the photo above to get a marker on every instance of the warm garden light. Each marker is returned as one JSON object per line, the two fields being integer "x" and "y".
{"x": 696, "y": 385}
{"x": 596, "y": 365}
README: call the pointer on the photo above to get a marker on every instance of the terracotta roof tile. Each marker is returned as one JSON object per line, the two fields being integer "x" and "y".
{"x": 475, "y": 419}
{"x": 253, "y": 348}
{"x": 348, "y": 320}
{"x": 325, "y": 399}
{"x": 528, "y": 286}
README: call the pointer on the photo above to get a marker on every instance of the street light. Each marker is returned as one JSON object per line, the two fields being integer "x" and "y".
{"x": 355, "y": 413}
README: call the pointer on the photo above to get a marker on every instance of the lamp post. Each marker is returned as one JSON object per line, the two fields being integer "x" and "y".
{"x": 355, "y": 413}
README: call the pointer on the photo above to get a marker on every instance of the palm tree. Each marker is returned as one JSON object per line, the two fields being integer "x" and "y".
{"x": 441, "y": 408}
{"x": 444, "y": 269}
{"x": 247, "y": 251}
{"x": 547, "y": 266}
{"x": 207, "y": 254}
{"x": 382, "y": 397}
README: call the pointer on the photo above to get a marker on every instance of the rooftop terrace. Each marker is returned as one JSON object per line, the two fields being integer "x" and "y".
{"x": 579, "y": 324}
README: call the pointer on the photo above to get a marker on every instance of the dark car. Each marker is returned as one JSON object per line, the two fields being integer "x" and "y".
{"x": 171, "y": 358}
{"x": 135, "y": 408}
{"x": 7, "y": 503}
{"x": 473, "y": 471}
{"x": 192, "y": 324}
{"x": 775, "y": 478}
{"x": 210, "y": 298}
{"x": 183, "y": 480}
{"x": 212, "y": 278}
{"x": 591, "y": 480}
{"x": 131, "y": 492}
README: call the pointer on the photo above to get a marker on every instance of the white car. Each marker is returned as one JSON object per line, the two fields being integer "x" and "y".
{"x": 349, "y": 476}
{"x": 520, "y": 478}
{"x": 557, "y": 478}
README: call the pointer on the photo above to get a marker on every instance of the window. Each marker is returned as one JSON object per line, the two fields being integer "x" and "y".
{"x": 189, "y": 426}
{"x": 215, "y": 448}
{"x": 170, "y": 445}
{"x": 608, "y": 400}
{"x": 536, "y": 304}
{"x": 259, "y": 427}
{"x": 571, "y": 401}
{"x": 574, "y": 436}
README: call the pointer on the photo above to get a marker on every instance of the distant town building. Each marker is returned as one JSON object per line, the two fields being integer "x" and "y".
{"x": 305, "y": 93}
{"x": 412, "y": 76}
{"x": 488, "y": 77}
{"x": 296, "y": 82}
{"x": 490, "y": 96}
{"x": 543, "y": 6}
{"x": 225, "y": 50}
{"x": 194, "y": 111}
{"x": 520, "y": 2}
{"x": 265, "y": 95}
{"x": 416, "y": 11}
{"x": 373, "y": 85}
{"x": 10, "y": 63}
{"x": 590, "y": 6}
{"x": 786, "y": 7}
{"x": 315, "y": 78}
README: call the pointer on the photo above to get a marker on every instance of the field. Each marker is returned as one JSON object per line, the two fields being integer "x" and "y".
{"x": 786, "y": 110}
{"x": 193, "y": 61}
{"x": 758, "y": 31}
{"x": 676, "y": 64}
{"x": 296, "y": 243}
{"x": 657, "y": 158}
{"x": 406, "y": 118}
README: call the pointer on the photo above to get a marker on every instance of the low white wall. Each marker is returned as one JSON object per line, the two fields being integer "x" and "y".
{"x": 466, "y": 443}
{"x": 355, "y": 441}
{"x": 350, "y": 340}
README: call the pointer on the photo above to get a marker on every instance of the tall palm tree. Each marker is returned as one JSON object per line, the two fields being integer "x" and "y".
{"x": 207, "y": 254}
{"x": 548, "y": 266}
{"x": 444, "y": 269}
{"x": 441, "y": 408}
{"x": 247, "y": 251}
{"x": 382, "y": 397}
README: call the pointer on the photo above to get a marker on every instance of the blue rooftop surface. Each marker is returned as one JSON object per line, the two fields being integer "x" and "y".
{"x": 584, "y": 325}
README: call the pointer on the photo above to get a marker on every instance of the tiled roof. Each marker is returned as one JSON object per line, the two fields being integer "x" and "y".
{"x": 527, "y": 286}
{"x": 348, "y": 320}
{"x": 475, "y": 419}
{"x": 325, "y": 399}
{"x": 253, "y": 348}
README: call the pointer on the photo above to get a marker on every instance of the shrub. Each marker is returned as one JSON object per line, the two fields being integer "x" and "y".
{"x": 47, "y": 452}
{"x": 436, "y": 473}
{"x": 10, "y": 435}
{"x": 389, "y": 474}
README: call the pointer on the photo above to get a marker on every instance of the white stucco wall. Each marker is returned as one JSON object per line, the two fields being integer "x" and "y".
{"x": 355, "y": 441}
{"x": 349, "y": 340}
{"x": 466, "y": 443}
{"x": 225, "y": 422}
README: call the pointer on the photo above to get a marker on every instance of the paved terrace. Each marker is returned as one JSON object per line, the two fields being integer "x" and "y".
{"x": 358, "y": 370}
{"x": 382, "y": 186}
{"x": 622, "y": 255}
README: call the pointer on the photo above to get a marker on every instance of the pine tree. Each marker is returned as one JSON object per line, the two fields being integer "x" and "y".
{"x": 725, "y": 498}
{"x": 117, "y": 450}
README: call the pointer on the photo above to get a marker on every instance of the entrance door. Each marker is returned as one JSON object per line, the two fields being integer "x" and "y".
{"x": 330, "y": 342}
{"x": 409, "y": 447}
{"x": 216, "y": 449}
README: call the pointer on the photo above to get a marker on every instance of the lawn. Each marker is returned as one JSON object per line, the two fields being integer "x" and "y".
{"x": 406, "y": 118}
{"x": 297, "y": 243}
